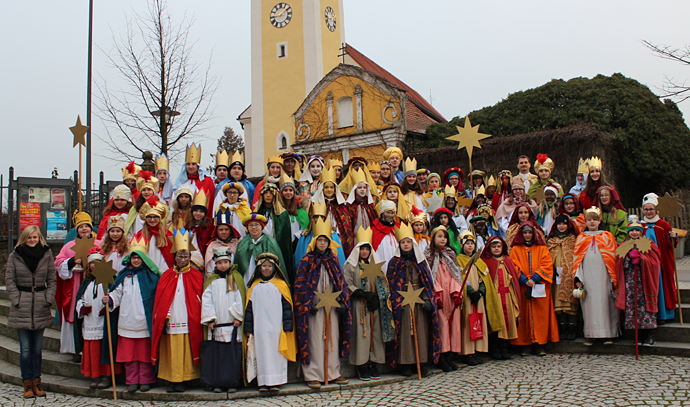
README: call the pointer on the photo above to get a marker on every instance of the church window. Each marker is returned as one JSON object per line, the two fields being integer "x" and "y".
{"x": 345, "y": 115}
{"x": 282, "y": 50}
{"x": 283, "y": 143}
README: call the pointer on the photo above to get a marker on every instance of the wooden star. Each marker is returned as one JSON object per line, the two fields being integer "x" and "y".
{"x": 643, "y": 244}
{"x": 79, "y": 131}
{"x": 538, "y": 195}
{"x": 435, "y": 202}
{"x": 468, "y": 137}
{"x": 411, "y": 296}
{"x": 372, "y": 271}
{"x": 668, "y": 206}
{"x": 81, "y": 248}
{"x": 465, "y": 201}
{"x": 328, "y": 300}
{"x": 105, "y": 274}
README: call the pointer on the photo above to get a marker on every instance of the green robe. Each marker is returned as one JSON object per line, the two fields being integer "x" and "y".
{"x": 619, "y": 228}
{"x": 247, "y": 250}
{"x": 282, "y": 233}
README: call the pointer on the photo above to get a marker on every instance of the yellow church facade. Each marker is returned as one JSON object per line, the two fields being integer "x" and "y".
{"x": 305, "y": 99}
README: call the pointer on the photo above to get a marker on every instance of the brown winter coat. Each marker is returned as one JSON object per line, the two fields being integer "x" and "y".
{"x": 31, "y": 310}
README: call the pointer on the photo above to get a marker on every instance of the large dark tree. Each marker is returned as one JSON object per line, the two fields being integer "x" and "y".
{"x": 651, "y": 137}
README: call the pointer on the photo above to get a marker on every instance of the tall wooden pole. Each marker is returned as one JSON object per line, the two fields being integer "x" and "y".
{"x": 328, "y": 334}
{"x": 110, "y": 349}
{"x": 416, "y": 341}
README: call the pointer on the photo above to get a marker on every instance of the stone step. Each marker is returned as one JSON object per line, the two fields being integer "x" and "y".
{"x": 686, "y": 313}
{"x": 622, "y": 347}
{"x": 10, "y": 373}
{"x": 670, "y": 332}
{"x": 54, "y": 363}
{"x": 51, "y": 337}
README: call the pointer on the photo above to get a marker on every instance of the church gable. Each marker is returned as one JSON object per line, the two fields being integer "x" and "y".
{"x": 350, "y": 101}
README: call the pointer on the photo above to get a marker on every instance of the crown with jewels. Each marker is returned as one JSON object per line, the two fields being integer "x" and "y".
{"x": 183, "y": 240}
{"x": 193, "y": 153}
{"x": 364, "y": 235}
{"x": 593, "y": 209}
{"x": 116, "y": 222}
{"x": 222, "y": 158}
{"x": 404, "y": 231}
{"x": 138, "y": 244}
{"x": 583, "y": 166}
{"x": 162, "y": 162}
{"x": 147, "y": 180}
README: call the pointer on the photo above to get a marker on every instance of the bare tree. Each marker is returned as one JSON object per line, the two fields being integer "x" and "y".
{"x": 672, "y": 88}
{"x": 160, "y": 79}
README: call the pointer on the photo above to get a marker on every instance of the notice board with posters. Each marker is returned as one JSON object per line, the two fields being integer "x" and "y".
{"x": 46, "y": 203}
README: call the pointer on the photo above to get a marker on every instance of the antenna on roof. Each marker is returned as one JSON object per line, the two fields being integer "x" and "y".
{"x": 431, "y": 99}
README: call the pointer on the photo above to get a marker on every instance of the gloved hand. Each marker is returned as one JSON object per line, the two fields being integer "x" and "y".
{"x": 342, "y": 309}
{"x": 439, "y": 301}
{"x": 475, "y": 297}
{"x": 86, "y": 310}
{"x": 373, "y": 304}
{"x": 370, "y": 297}
{"x": 427, "y": 306}
{"x": 100, "y": 314}
{"x": 359, "y": 293}
{"x": 634, "y": 255}
{"x": 313, "y": 310}
{"x": 457, "y": 299}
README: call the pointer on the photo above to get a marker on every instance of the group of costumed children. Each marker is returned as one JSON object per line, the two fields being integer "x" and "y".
{"x": 366, "y": 261}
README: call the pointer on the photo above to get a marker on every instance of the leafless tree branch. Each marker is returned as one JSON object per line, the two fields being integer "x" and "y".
{"x": 672, "y": 88}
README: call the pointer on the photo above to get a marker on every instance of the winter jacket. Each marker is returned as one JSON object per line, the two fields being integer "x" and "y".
{"x": 31, "y": 310}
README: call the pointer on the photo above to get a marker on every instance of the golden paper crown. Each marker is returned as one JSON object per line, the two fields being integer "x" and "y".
{"x": 130, "y": 171}
{"x": 237, "y": 157}
{"x": 193, "y": 153}
{"x": 275, "y": 159}
{"x": 583, "y": 166}
{"x": 200, "y": 199}
{"x": 322, "y": 227}
{"x": 183, "y": 240}
{"x": 162, "y": 162}
{"x": 449, "y": 191}
{"x": 364, "y": 235}
{"x": 357, "y": 177}
{"x": 492, "y": 181}
{"x": 81, "y": 218}
{"x": 222, "y": 158}
{"x": 481, "y": 190}
{"x": 286, "y": 179}
{"x": 410, "y": 165}
{"x": 147, "y": 180}
{"x": 116, "y": 222}
{"x": 374, "y": 167}
{"x": 404, "y": 231}
{"x": 319, "y": 208}
{"x": 334, "y": 163}
{"x": 328, "y": 175}
{"x": 595, "y": 162}
{"x": 593, "y": 209}
{"x": 138, "y": 244}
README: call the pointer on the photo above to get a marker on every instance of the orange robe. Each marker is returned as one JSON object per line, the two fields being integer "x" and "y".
{"x": 607, "y": 247}
{"x": 537, "y": 316}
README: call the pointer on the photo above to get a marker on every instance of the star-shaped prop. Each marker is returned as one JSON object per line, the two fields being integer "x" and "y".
{"x": 642, "y": 244}
{"x": 81, "y": 248}
{"x": 538, "y": 195}
{"x": 465, "y": 202}
{"x": 468, "y": 137}
{"x": 372, "y": 271}
{"x": 105, "y": 274}
{"x": 434, "y": 202}
{"x": 668, "y": 206}
{"x": 328, "y": 300}
{"x": 411, "y": 296}
{"x": 79, "y": 131}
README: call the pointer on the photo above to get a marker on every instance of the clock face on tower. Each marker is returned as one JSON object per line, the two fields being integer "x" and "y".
{"x": 281, "y": 14}
{"x": 329, "y": 14}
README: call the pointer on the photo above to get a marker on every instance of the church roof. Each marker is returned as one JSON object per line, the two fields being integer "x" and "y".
{"x": 417, "y": 122}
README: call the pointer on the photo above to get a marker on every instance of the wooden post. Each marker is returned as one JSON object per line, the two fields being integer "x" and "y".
{"x": 637, "y": 342}
{"x": 80, "y": 171}
{"x": 110, "y": 347}
{"x": 328, "y": 335}
{"x": 416, "y": 342}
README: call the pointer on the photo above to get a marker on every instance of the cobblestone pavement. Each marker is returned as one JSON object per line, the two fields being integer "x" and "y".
{"x": 555, "y": 380}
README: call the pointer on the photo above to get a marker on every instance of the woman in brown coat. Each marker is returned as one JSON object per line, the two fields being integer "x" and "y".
{"x": 31, "y": 282}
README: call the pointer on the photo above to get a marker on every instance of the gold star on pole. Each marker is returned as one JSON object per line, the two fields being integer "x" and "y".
{"x": 105, "y": 274}
{"x": 372, "y": 271}
{"x": 468, "y": 137}
{"x": 79, "y": 131}
{"x": 642, "y": 244}
{"x": 328, "y": 301}
{"x": 81, "y": 248}
{"x": 538, "y": 195}
{"x": 411, "y": 296}
{"x": 668, "y": 206}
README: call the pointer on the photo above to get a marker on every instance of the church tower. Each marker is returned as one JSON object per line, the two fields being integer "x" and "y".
{"x": 294, "y": 44}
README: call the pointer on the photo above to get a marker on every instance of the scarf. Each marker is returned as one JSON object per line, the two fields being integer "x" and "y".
{"x": 31, "y": 255}
{"x": 655, "y": 219}
{"x": 448, "y": 255}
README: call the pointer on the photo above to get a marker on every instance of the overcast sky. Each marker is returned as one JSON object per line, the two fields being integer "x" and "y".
{"x": 466, "y": 54}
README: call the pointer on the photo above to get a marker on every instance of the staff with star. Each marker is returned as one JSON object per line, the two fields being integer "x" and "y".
{"x": 469, "y": 137}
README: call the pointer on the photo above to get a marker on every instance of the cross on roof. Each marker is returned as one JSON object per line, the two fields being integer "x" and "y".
{"x": 343, "y": 49}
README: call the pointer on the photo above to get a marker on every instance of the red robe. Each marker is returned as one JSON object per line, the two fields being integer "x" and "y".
{"x": 103, "y": 226}
{"x": 167, "y": 255}
{"x": 649, "y": 267}
{"x": 344, "y": 221}
{"x": 380, "y": 231}
{"x": 668, "y": 262}
{"x": 204, "y": 236}
{"x": 206, "y": 185}
{"x": 193, "y": 281}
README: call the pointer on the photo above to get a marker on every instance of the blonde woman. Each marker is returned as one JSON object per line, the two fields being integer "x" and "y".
{"x": 31, "y": 283}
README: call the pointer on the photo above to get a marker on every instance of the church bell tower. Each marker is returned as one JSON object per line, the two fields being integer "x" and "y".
{"x": 294, "y": 44}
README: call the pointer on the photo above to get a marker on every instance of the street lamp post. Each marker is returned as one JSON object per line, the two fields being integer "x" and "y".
{"x": 168, "y": 115}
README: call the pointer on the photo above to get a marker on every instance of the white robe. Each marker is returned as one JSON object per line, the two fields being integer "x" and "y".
{"x": 460, "y": 223}
{"x": 221, "y": 306}
{"x": 178, "y": 323}
{"x": 272, "y": 366}
{"x": 386, "y": 250}
{"x": 156, "y": 256}
{"x": 92, "y": 327}
{"x": 132, "y": 322}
